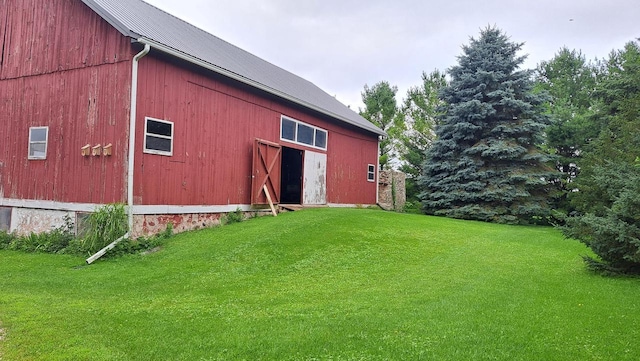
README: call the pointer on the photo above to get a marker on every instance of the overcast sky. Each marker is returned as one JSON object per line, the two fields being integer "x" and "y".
{"x": 341, "y": 45}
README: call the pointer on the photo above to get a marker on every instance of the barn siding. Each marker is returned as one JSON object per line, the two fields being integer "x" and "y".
{"x": 215, "y": 124}
{"x": 64, "y": 67}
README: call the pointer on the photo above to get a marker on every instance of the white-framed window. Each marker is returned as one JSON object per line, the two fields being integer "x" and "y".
{"x": 371, "y": 173}
{"x": 38, "y": 142}
{"x": 158, "y": 136}
{"x": 296, "y": 131}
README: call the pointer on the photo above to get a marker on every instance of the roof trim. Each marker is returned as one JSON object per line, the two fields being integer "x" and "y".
{"x": 201, "y": 63}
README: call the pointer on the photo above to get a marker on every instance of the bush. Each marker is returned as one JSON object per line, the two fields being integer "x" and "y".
{"x": 6, "y": 239}
{"x": 236, "y": 216}
{"x": 54, "y": 241}
{"x": 613, "y": 230}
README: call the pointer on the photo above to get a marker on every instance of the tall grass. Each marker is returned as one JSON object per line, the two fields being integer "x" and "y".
{"x": 106, "y": 224}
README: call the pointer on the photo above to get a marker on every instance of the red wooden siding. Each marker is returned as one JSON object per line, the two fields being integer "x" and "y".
{"x": 64, "y": 67}
{"x": 215, "y": 124}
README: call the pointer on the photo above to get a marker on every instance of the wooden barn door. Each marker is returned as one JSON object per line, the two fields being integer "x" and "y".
{"x": 267, "y": 162}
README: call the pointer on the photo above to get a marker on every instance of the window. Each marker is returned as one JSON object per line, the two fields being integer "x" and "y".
{"x": 288, "y": 129}
{"x": 158, "y": 136}
{"x": 371, "y": 173}
{"x": 5, "y": 218}
{"x": 38, "y": 142}
{"x": 298, "y": 132}
{"x": 82, "y": 224}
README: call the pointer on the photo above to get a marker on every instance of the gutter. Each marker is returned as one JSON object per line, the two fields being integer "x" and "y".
{"x": 132, "y": 152}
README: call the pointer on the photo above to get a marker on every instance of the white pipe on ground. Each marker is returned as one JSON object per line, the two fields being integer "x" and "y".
{"x": 101, "y": 252}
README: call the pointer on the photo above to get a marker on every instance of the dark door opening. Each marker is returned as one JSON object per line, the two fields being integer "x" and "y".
{"x": 291, "y": 176}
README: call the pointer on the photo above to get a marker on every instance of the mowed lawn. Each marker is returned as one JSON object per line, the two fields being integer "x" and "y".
{"x": 324, "y": 284}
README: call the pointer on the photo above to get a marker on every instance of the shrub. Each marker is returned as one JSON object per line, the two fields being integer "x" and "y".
{"x": 6, "y": 239}
{"x": 612, "y": 232}
{"x": 233, "y": 217}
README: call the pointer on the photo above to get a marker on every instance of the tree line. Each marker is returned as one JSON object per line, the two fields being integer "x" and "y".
{"x": 559, "y": 144}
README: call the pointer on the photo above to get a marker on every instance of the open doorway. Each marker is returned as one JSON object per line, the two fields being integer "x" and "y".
{"x": 291, "y": 176}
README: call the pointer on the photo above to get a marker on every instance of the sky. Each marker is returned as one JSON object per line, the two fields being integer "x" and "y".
{"x": 341, "y": 45}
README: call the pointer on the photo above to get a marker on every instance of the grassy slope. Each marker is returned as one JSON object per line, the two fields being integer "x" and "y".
{"x": 325, "y": 284}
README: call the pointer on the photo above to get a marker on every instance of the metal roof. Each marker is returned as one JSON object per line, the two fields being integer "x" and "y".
{"x": 165, "y": 32}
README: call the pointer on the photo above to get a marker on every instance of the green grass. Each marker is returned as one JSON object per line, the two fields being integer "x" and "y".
{"x": 324, "y": 284}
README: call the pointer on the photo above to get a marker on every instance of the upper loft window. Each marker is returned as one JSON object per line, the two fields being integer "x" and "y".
{"x": 158, "y": 136}
{"x": 38, "y": 142}
{"x": 298, "y": 132}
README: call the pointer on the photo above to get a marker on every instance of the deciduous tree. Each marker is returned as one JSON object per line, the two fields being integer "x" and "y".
{"x": 421, "y": 110}
{"x": 381, "y": 109}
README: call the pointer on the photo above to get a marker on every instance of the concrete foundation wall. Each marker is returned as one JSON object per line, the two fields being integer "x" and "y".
{"x": 25, "y": 220}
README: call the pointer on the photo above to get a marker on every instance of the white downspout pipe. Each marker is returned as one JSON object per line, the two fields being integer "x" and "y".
{"x": 132, "y": 152}
{"x": 378, "y": 172}
{"x": 132, "y": 131}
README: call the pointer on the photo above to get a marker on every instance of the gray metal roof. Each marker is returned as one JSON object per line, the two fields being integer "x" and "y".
{"x": 165, "y": 32}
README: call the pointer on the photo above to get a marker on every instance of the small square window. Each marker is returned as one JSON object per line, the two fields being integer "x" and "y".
{"x": 158, "y": 137}
{"x": 321, "y": 139}
{"x": 305, "y": 134}
{"x": 371, "y": 173}
{"x": 5, "y": 218}
{"x": 38, "y": 142}
{"x": 288, "y": 129}
{"x": 82, "y": 224}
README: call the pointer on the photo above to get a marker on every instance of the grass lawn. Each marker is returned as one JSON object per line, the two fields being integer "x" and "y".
{"x": 324, "y": 284}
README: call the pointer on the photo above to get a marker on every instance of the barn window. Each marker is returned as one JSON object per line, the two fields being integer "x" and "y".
{"x": 298, "y": 132}
{"x": 158, "y": 136}
{"x": 82, "y": 224}
{"x": 38, "y": 142}
{"x": 371, "y": 173}
{"x": 5, "y": 218}
{"x": 321, "y": 139}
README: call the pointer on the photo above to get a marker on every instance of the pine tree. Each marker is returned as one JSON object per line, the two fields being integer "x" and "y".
{"x": 485, "y": 163}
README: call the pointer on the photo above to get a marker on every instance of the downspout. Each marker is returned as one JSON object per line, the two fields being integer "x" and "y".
{"x": 378, "y": 172}
{"x": 132, "y": 131}
{"x": 132, "y": 153}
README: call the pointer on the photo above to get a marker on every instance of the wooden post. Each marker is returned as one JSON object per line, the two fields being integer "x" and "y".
{"x": 266, "y": 192}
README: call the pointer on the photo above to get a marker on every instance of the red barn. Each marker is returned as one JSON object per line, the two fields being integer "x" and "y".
{"x": 105, "y": 101}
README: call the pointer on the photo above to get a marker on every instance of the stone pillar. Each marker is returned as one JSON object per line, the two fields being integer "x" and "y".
{"x": 392, "y": 192}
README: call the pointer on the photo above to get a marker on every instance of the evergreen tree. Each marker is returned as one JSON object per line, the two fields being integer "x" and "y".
{"x": 485, "y": 163}
{"x": 608, "y": 187}
{"x": 380, "y": 108}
